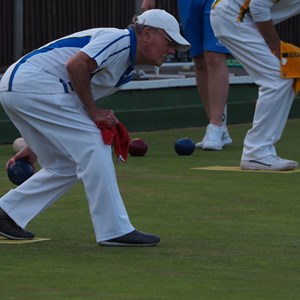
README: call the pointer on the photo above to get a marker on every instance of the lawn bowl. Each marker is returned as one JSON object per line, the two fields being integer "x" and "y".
{"x": 184, "y": 146}
{"x": 138, "y": 147}
{"x": 20, "y": 172}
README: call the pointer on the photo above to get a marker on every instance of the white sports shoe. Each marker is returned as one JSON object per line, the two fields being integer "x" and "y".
{"x": 226, "y": 137}
{"x": 271, "y": 163}
{"x": 215, "y": 138}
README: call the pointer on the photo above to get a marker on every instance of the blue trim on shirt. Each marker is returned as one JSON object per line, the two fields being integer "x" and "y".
{"x": 74, "y": 42}
{"x": 64, "y": 85}
{"x": 128, "y": 74}
{"x": 115, "y": 53}
{"x": 114, "y": 41}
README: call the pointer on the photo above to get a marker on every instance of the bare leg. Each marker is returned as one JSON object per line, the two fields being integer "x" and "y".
{"x": 213, "y": 85}
{"x": 202, "y": 82}
{"x": 218, "y": 85}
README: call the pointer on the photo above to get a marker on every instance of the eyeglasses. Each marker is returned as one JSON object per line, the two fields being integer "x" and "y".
{"x": 172, "y": 43}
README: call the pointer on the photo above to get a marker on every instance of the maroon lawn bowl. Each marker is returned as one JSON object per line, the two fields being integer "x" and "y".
{"x": 138, "y": 147}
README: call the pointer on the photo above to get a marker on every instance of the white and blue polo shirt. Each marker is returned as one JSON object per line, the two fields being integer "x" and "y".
{"x": 44, "y": 70}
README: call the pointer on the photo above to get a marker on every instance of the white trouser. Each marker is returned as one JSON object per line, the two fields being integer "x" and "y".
{"x": 275, "y": 96}
{"x": 69, "y": 148}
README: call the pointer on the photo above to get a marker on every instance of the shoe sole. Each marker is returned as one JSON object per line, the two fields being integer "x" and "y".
{"x": 211, "y": 147}
{"x": 114, "y": 244}
{"x": 266, "y": 168}
{"x": 225, "y": 143}
{"x": 9, "y": 237}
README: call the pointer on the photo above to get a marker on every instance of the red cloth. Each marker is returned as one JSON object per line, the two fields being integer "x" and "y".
{"x": 117, "y": 136}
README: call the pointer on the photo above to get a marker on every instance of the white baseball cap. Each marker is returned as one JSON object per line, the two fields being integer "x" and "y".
{"x": 159, "y": 18}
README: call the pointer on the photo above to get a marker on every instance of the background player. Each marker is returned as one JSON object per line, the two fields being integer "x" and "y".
{"x": 247, "y": 30}
{"x": 211, "y": 70}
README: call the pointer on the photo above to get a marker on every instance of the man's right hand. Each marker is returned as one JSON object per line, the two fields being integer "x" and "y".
{"x": 25, "y": 153}
{"x": 105, "y": 115}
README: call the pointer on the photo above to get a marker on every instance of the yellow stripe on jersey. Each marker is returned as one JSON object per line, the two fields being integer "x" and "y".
{"x": 244, "y": 9}
{"x": 215, "y": 4}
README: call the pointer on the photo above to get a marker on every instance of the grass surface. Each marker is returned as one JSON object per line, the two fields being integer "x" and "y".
{"x": 224, "y": 235}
